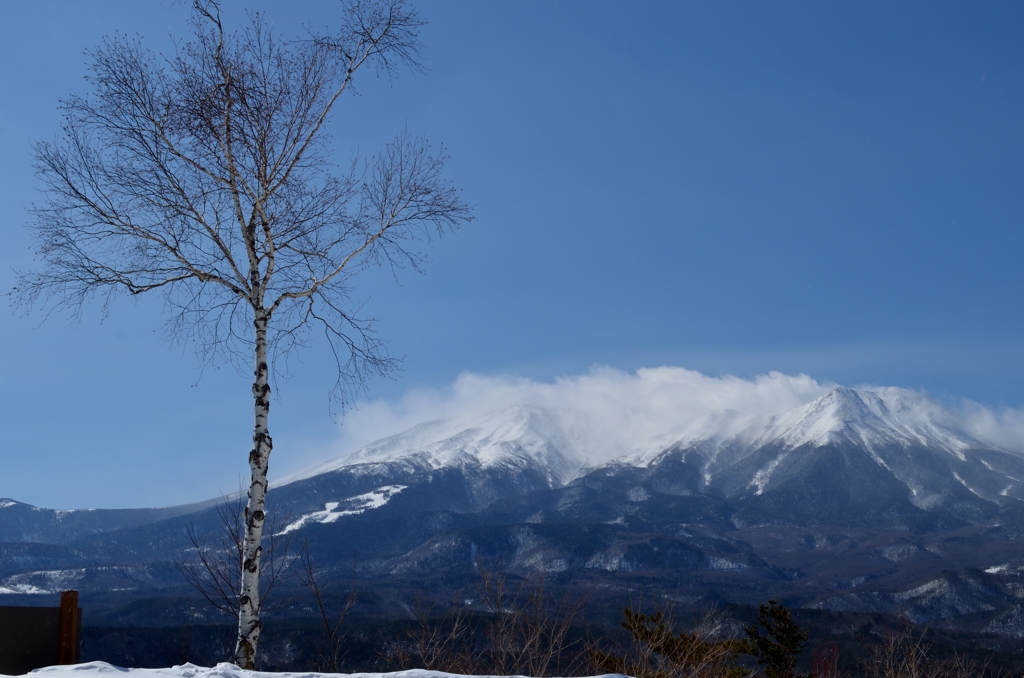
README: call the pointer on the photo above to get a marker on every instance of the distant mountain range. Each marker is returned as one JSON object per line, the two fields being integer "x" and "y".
{"x": 861, "y": 500}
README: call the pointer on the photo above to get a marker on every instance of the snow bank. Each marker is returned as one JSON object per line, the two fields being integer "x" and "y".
{"x": 105, "y": 670}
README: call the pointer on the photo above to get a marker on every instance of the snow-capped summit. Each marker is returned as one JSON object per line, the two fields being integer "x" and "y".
{"x": 524, "y": 436}
{"x": 890, "y": 450}
{"x": 894, "y": 446}
{"x": 869, "y": 419}
{"x": 889, "y": 416}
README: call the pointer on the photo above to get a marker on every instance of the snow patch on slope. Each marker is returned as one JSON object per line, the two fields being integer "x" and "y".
{"x": 42, "y": 581}
{"x": 353, "y": 506}
{"x": 22, "y": 589}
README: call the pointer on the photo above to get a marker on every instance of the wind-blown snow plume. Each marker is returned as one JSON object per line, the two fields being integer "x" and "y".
{"x": 1004, "y": 427}
{"x": 616, "y": 412}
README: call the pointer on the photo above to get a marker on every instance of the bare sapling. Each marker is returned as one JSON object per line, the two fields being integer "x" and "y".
{"x": 530, "y": 631}
{"x": 506, "y": 628}
{"x": 331, "y": 651}
{"x": 441, "y": 639}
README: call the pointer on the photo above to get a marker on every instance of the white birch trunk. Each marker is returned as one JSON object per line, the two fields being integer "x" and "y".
{"x": 249, "y": 625}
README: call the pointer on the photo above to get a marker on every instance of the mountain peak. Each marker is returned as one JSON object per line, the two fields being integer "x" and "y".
{"x": 556, "y": 442}
{"x": 522, "y": 435}
{"x": 869, "y": 418}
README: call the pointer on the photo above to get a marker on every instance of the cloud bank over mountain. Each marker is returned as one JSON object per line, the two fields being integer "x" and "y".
{"x": 618, "y": 411}
{"x": 1004, "y": 427}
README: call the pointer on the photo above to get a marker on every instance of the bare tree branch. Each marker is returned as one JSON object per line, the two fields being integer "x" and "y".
{"x": 213, "y": 566}
{"x": 330, "y": 653}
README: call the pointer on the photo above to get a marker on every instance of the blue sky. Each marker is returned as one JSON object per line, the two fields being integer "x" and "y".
{"x": 832, "y": 189}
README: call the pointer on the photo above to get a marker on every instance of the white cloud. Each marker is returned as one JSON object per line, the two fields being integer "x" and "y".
{"x": 620, "y": 411}
{"x": 1004, "y": 427}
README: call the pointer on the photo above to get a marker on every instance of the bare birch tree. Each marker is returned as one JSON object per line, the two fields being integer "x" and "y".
{"x": 208, "y": 176}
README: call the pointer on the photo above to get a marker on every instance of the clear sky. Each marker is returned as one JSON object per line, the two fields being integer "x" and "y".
{"x": 835, "y": 189}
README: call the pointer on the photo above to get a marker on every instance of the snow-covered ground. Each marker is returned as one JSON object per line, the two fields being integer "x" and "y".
{"x": 105, "y": 670}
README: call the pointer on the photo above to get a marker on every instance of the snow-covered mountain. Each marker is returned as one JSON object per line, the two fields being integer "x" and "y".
{"x": 905, "y": 436}
{"x": 749, "y": 504}
{"x": 871, "y": 419}
{"x": 517, "y": 438}
{"x": 887, "y": 425}
{"x": 890, "y": 416}
{"x": 887, "y": 457}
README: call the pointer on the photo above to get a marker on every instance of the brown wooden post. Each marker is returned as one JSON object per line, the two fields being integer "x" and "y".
{"x": 67, "y": 652}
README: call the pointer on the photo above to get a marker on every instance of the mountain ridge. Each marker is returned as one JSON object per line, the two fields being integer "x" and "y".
{"x": 813, "y": 503}
{"x": 868, "y": 416}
